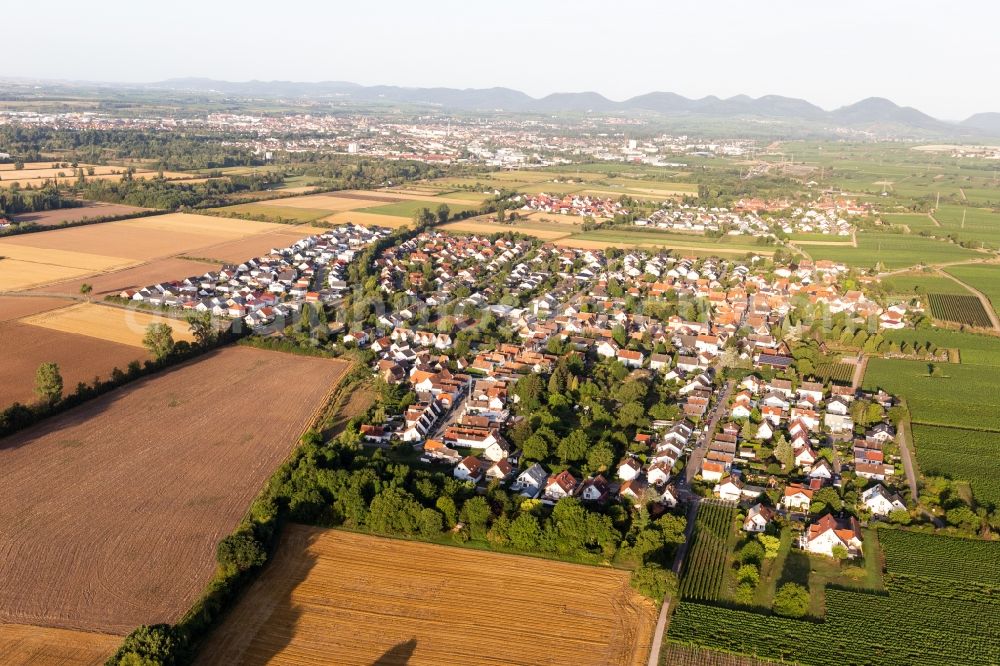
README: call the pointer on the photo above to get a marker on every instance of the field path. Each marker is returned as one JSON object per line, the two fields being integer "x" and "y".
{"x": 860, "y": 365}
{"x": 905, "y": 450}
{"x": 987, "y": 305}
{"x": 661, "y": 621}
{"x": 945, "y": 264}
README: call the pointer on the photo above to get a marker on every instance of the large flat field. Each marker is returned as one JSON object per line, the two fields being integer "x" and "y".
{"x": 410, "y": 208}
{"x": 334, "y": 597}
{"x": 893, "y": 251}
{"x": 392, "y": 204}
{"x": 959, "y": 453}
{"x": 925, "y": 283}
{"x": 605, "y": 238}
{"x": 368, "y": 219}
{"x": 276, "y": 213}
{"x": 81, "y": 358}
{"x": 538, "y": 230}
{"x": 157, "y": 270}
{"x": 78, "y": 253}
{"x": 105, "y": 322}
{"x": 89, "y": 211}
{"x": 980, "y": 225}
{"x": 984, "y": 277}
{"x": 36, "y": 177}
{"x": 957, "y": 395}
{"x": 973, "y": 349}
{"x": 15, "y": 307}
{"x": 113, "y": 510}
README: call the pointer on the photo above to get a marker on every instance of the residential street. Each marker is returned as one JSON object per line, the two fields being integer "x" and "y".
{"x": 698, "y": 454}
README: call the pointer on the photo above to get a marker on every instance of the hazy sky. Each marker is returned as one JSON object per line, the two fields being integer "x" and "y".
{"x": 936, "y": 56}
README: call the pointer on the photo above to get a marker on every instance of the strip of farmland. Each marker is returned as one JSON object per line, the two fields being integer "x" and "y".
{"x": 111, "y": 512}
{"x": 366, "y": 600}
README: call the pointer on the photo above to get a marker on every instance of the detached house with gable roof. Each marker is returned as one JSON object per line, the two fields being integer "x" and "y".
{"x": 828, "y": 532}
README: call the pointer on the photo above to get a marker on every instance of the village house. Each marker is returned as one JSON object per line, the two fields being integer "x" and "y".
{"x": 797, "y": 497}
{"x": 881, "y": 502}
{"x": 559, "y": 486}
{"x": 828, "y": 532}
{"x": 758, "y": 518}
{"x": 531, "y": 482}
{"x": 469, "y": 469}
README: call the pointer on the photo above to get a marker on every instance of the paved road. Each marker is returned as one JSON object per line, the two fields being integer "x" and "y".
{"x": 698, "y": 454}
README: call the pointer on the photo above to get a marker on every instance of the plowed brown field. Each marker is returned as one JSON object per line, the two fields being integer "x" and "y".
{"x": 15, "y": 307}
{"x": 23, "y": 348}
{"x": 111, "y": 512}
{"x": 334, "y": 597}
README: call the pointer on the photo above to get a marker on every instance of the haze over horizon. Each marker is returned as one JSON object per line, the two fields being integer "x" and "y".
{"x": 910, "y": 52}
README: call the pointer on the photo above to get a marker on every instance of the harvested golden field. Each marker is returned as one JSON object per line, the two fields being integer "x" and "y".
{"x": 45, "y": 170}
{"x": 22, "y": 267}
{"x": 106, "y": 322}
{"x": 335, "y": 597}
{"x": 80, "y": 359}
{"x": 236, "y": 251}
{"x": 24, "y": 645}
{"x": 200, "y": 225}
{"x": 113, "y": 282}
{"x": 28, "y": 166}
{"x": 473, "y": 227}
{"x": 368, "y": 219}
{"x": 112, "y": 511}
{"x": 138, "y": 239}
{"x": 61, "y": 255}
{"x": 38, "y": 176}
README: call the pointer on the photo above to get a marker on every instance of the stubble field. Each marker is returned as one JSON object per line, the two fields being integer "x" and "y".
{"x": 114, "y": 324}
{"x": 25, "y": 645}
{"x": 337, "y": 597}
{"x": 34, "y": 260}
{"x": 80, "y": 358}
{"x": 112, "y": 511}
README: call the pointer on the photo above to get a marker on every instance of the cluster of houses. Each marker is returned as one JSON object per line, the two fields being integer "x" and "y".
{"x": 746, "y": 218}
{"x": 578, "y": 295}
{"x": 808, "y": 417}
{"x": 571, "y": 204}
{"x": 541, "y": 292}
{"x": 271, "y": 287}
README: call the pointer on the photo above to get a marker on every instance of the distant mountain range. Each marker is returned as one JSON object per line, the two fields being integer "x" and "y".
{"x": 874, "y": 113}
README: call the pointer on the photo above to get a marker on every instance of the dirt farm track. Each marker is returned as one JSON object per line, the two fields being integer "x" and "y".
{"x": 335, "y": 597}
{"x": 110, "y": 513}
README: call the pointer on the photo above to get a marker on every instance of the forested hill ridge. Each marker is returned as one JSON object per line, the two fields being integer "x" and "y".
{"x": 873, "y": 112}
{"x": 774, "y": 115}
